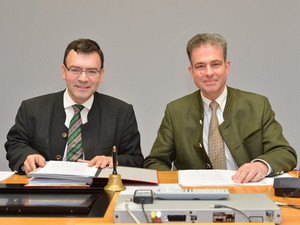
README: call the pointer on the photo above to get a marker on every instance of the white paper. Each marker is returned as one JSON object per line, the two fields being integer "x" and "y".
{"x": 83, "y": 173}
{"x": 192, "y": 178}
{"x": 267, "y": 180}
{"x": 5, "y": 174}
{"x": 67, "y": 168}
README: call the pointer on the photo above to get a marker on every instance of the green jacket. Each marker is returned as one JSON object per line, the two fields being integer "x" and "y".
{"x": 249, "y": 130}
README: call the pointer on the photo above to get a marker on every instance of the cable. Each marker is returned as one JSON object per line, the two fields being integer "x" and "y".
{"x": 131, "y": 214}
{"x": 290, "y": 205}
{"x": 158, "y": 217}
{"x": 293, "y": 193}
{"x": 234, "y": 209}
{"x": 153, "y": 216}
{"x": 145, "y": 212}
{"x": 142, "y": 197}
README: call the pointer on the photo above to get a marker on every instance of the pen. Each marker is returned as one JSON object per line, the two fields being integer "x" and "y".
{"x": 114, "y": 158}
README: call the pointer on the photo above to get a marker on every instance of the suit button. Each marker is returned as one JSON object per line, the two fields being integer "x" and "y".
{"x": 208, "y": 166}
{"x": 200, "y": 122}
{"x": 64, "y": 135}
{"x": 200, "y": 145}
{"x": 58, "y": 157}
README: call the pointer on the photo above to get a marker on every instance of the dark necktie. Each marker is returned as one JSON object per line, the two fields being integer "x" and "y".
{"x": 215, "y": 140}
{"x": 75, "y": 150}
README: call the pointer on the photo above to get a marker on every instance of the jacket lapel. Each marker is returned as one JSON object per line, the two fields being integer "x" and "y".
{"x": 58, "y": 131}
{"x": 197, "y": 117}
{"x": 229, "y": 135}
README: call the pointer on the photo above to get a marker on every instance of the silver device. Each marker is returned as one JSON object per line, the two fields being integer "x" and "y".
{"x": 256, "y": 207}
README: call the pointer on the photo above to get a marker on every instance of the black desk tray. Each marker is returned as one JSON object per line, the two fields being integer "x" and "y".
{"x": 17, "y": 200}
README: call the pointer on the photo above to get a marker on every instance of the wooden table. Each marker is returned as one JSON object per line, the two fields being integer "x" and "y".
{"x": 290, "y": 216}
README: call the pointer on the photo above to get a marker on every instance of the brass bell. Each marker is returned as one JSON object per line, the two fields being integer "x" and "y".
{"x": 114, "y": 183}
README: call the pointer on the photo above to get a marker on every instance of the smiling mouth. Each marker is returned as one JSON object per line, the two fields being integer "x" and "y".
{"x": 80, "y": 87}
{"x": 211, "y": 81}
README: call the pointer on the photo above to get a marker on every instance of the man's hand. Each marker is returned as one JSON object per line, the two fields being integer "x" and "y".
{"x": 100, "y": 161}
{"x": 32, "y": 162}
{"x": 251, "y": 172}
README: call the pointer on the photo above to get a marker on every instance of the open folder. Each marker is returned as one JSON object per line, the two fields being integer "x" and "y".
{"x": 81, "y": 172}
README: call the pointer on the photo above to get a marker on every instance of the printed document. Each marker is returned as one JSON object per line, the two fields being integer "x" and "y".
{"x": 66, "y": 170}
{"x": 206, "y": 178}
{"x": 82, "y": 173}
{"x": 192, "y": 178}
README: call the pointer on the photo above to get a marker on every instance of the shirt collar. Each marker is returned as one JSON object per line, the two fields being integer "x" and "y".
{"x": 68, "y": 101}
{"x": 221, "y": 100}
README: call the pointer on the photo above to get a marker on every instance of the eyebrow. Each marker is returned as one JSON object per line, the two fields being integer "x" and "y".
{"x": 203, "y": 63}
{"x": 89, "y": 68}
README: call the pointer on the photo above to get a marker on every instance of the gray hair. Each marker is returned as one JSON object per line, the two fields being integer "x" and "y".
{"x": 205, "y": 38}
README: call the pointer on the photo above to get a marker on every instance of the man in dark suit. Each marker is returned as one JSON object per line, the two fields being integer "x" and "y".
{"x": 251, "y": 139}
{"x": 41, "y": 128}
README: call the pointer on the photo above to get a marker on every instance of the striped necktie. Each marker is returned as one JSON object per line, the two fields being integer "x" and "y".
{"x": 215, "y": 140}
{"x": 75, "y": 150}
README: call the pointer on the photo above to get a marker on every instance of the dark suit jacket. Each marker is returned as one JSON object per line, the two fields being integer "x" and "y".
{"x": 39, "y": 129}
{"x": 249, "y": 130}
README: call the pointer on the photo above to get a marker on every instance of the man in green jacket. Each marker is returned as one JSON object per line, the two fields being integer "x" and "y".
{"x": 252, "y": 143}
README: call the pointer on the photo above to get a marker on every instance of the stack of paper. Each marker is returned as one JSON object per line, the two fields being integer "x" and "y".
{"x": 77, "y": 173}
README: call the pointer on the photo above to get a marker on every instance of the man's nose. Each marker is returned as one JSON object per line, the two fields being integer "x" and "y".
{"x": 83, "y": 76}
{"x": 209, "y": 70}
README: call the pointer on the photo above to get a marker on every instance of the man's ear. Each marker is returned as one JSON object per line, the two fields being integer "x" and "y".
{"x": 101, "y": 74}
{"x": 64, "y": 71}
{"x": 191, "y": 71}
{"x": 227, "y": 64}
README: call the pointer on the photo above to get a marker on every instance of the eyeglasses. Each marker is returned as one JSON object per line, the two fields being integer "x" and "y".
{"x": 78, "y": 71}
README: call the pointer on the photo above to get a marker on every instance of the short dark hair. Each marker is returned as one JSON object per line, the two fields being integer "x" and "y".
{"x": 84, "y": 46}
{"x": 205, "y": 38}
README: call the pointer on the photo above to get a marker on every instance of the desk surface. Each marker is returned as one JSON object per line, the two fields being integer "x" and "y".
{"x": 290, "y": 216}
